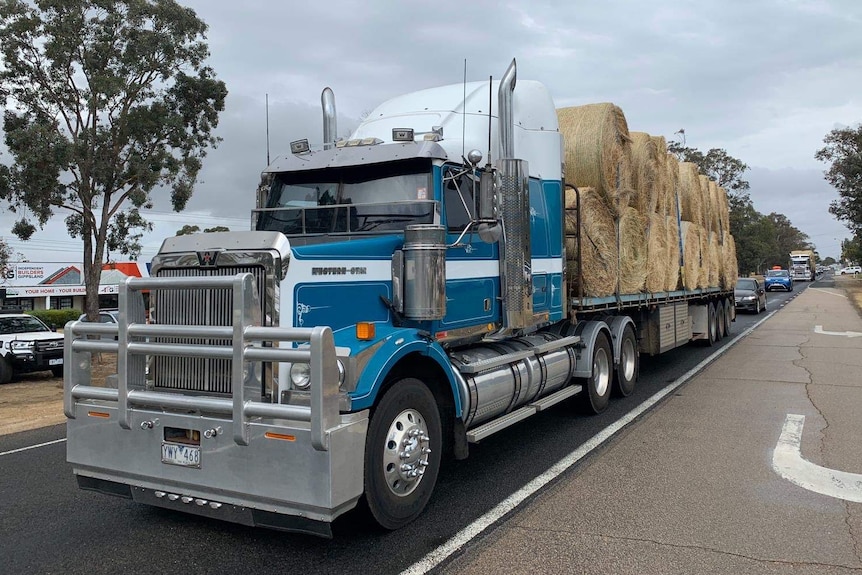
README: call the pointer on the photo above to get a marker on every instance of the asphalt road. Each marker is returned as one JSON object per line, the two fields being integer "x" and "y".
{"x": 47, "y": 525}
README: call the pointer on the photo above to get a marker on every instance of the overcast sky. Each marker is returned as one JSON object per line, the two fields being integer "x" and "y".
{"x": 764, "y": 79}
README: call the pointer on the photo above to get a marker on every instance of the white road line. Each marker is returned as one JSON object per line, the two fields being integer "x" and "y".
{"x": 29, "y": 447}
{"x": 788, "y": 462}
{"x": 829, "y": 292}
{"x": 819, "y": 329}
{"x": 440, "y": 554}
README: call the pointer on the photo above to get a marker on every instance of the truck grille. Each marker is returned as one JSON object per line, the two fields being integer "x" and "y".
{"x": 210, "y": 307}
{"x": 49, "y": 345}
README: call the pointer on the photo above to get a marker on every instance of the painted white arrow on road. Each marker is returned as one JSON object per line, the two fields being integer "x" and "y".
{"x": 787, "y": 461}
{"x": 819, "y": 329}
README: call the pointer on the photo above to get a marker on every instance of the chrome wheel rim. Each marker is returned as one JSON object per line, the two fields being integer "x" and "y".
{"x": 627, "y": 361}
{"x": 405, "y": 455}
{"x": 601, "y": 371}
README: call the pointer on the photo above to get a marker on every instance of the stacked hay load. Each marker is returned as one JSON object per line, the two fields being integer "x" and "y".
{"x": 691, "y": 251}
{"x": 658, "y": 254}
{"x": 672, "y": 281}
{"x": 648, "y": 171}
{"x": 690, "y": 194}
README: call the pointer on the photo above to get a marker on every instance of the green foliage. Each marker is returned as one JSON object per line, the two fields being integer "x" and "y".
{"x": 851, "y": 249}
{"x": 107, "y": 102}
{"x": 719, "y": 166}
{"x": 843, "y": 150}
{"x": 191, "y": 229}
{"x": 828, "y": 261}
{"x": 56, "y": 317}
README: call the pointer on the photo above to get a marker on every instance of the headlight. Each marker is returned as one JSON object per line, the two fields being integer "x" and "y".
{"x": 300, "y": 375}
{"x": 21, "y": 345}
{"x": 749, "y": 298}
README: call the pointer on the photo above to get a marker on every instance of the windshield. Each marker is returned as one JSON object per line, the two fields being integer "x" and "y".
{"x": 746, "y": 284}
{"x": 374, "y": 198}
{"x": 777, "y": 273}
{"x": 21, "y": 324}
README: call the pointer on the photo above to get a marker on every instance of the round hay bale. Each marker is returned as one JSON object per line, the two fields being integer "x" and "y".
{"x": 729, "y": 266}
{"x": 633, "y": 252}
{"x": 714, "y": 259}
{"x": 690, "y": 233}
{"x": 713, "y": 212}
{"x": 648, "y": 173}
{"x": 704, "y": 203}
{"x": 723, "y": 212}
{"x": 597, "y": 150}
{"x": 599, "y": 253}
{"x": 672, "y": 280}
{"x": 658, "y": 254}
{"x": 703, "y": 276}
{"x": 669, "y": 205}
{"x": 690, "y": 195}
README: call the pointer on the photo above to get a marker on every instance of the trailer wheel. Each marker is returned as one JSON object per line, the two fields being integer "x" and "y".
{"x": 5, "y": 371}
{"x": 626, "y": 372}
{"x": 711, "y": 326}
{"x": 728, "y": 317}
{"x": 402, "y": 453}
{"x": 719, "y": 320}
{"x": 598, "y": 385}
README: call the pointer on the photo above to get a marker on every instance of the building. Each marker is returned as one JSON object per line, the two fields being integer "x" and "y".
{"x": 60, "y": 285}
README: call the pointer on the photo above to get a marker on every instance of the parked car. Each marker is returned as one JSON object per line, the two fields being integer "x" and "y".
{"x": 28, "y": 345}
{"x": 778, "y": 279}
{"x": 850, "y": 270}
{"x": 105, "y": 316}
{"x": 749, "y": 295}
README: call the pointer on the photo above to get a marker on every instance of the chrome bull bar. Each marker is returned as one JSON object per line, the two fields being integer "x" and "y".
{"x": 132, "y": 347}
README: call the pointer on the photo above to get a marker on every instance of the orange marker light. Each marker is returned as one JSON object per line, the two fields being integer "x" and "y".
{"x": 364, "y": 330}
{"x": 282, "y": 436}
{"x": 99, "y": 414}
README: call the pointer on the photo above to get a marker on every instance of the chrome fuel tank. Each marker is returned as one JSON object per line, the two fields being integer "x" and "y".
{"x": 495, "y": 378}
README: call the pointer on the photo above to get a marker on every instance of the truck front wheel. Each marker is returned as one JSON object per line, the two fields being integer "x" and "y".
{"x": 402, "y": 453}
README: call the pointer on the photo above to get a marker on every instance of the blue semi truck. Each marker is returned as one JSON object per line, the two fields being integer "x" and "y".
{"x": 401, "y": 295}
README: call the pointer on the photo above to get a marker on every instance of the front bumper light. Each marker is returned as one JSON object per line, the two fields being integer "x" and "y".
{"x": 749, "y": 298}
{"x": 300, "y": 375}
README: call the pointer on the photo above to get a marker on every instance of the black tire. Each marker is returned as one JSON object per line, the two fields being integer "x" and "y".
{"x": 728, "y": 318}
{"x": 626, "y": 371}
{"x": 711, "y": 326}
{"x": 5, "y": 371}
{"x": 57, "y": 371}
{"x": 406, "y": 419}
{"x": 756, "y": 306}
{"x": 719, "y": 320}
{"x": 597, "y": 387}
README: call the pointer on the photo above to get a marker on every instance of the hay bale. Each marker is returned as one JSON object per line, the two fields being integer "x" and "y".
{"x": 691, "y": 249}
{"x": 729, "y": 265}
{"x": 597, "y": 151}
{"x": 703, "y": 275}
{"x": 599, "y": 252}
{"x": 714, "y": 260}
{"x": 672, "y": 281}
{"x": 723, "y": 213}
{"x": 713, "y": 211}
{"x": 668, "y": 204}
{"x": 633, "y": 252}
{"x": 704, "y": 203}
{"x": 659, "y": 254}
{"x": 690, "y": 194}
{"x": 648, "y": 173}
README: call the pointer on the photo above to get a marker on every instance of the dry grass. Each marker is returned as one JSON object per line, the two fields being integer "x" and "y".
{"x": 35, "y": 400}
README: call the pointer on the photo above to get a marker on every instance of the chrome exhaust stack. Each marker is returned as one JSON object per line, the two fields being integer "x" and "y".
{"x": 330, "y": 129}
{"x": 516, "y": 273}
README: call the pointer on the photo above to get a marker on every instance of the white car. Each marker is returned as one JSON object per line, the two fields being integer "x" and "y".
{"x": 851, "y": 270}
{"x": 27, "y": 344}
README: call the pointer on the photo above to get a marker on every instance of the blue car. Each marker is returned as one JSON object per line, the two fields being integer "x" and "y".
{"x": 778, "y": 279}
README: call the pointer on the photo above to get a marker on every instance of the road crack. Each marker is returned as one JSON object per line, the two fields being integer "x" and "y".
{"x": 853, "y": 537}
{"x": 707, "y": 549}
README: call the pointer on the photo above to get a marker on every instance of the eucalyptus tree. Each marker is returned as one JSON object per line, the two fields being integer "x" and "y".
{"x": 108, "y": 102}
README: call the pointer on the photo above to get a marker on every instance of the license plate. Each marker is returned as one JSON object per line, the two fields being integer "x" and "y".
{"x": 58, "y": 361}
{"x": 178, "y": 454}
